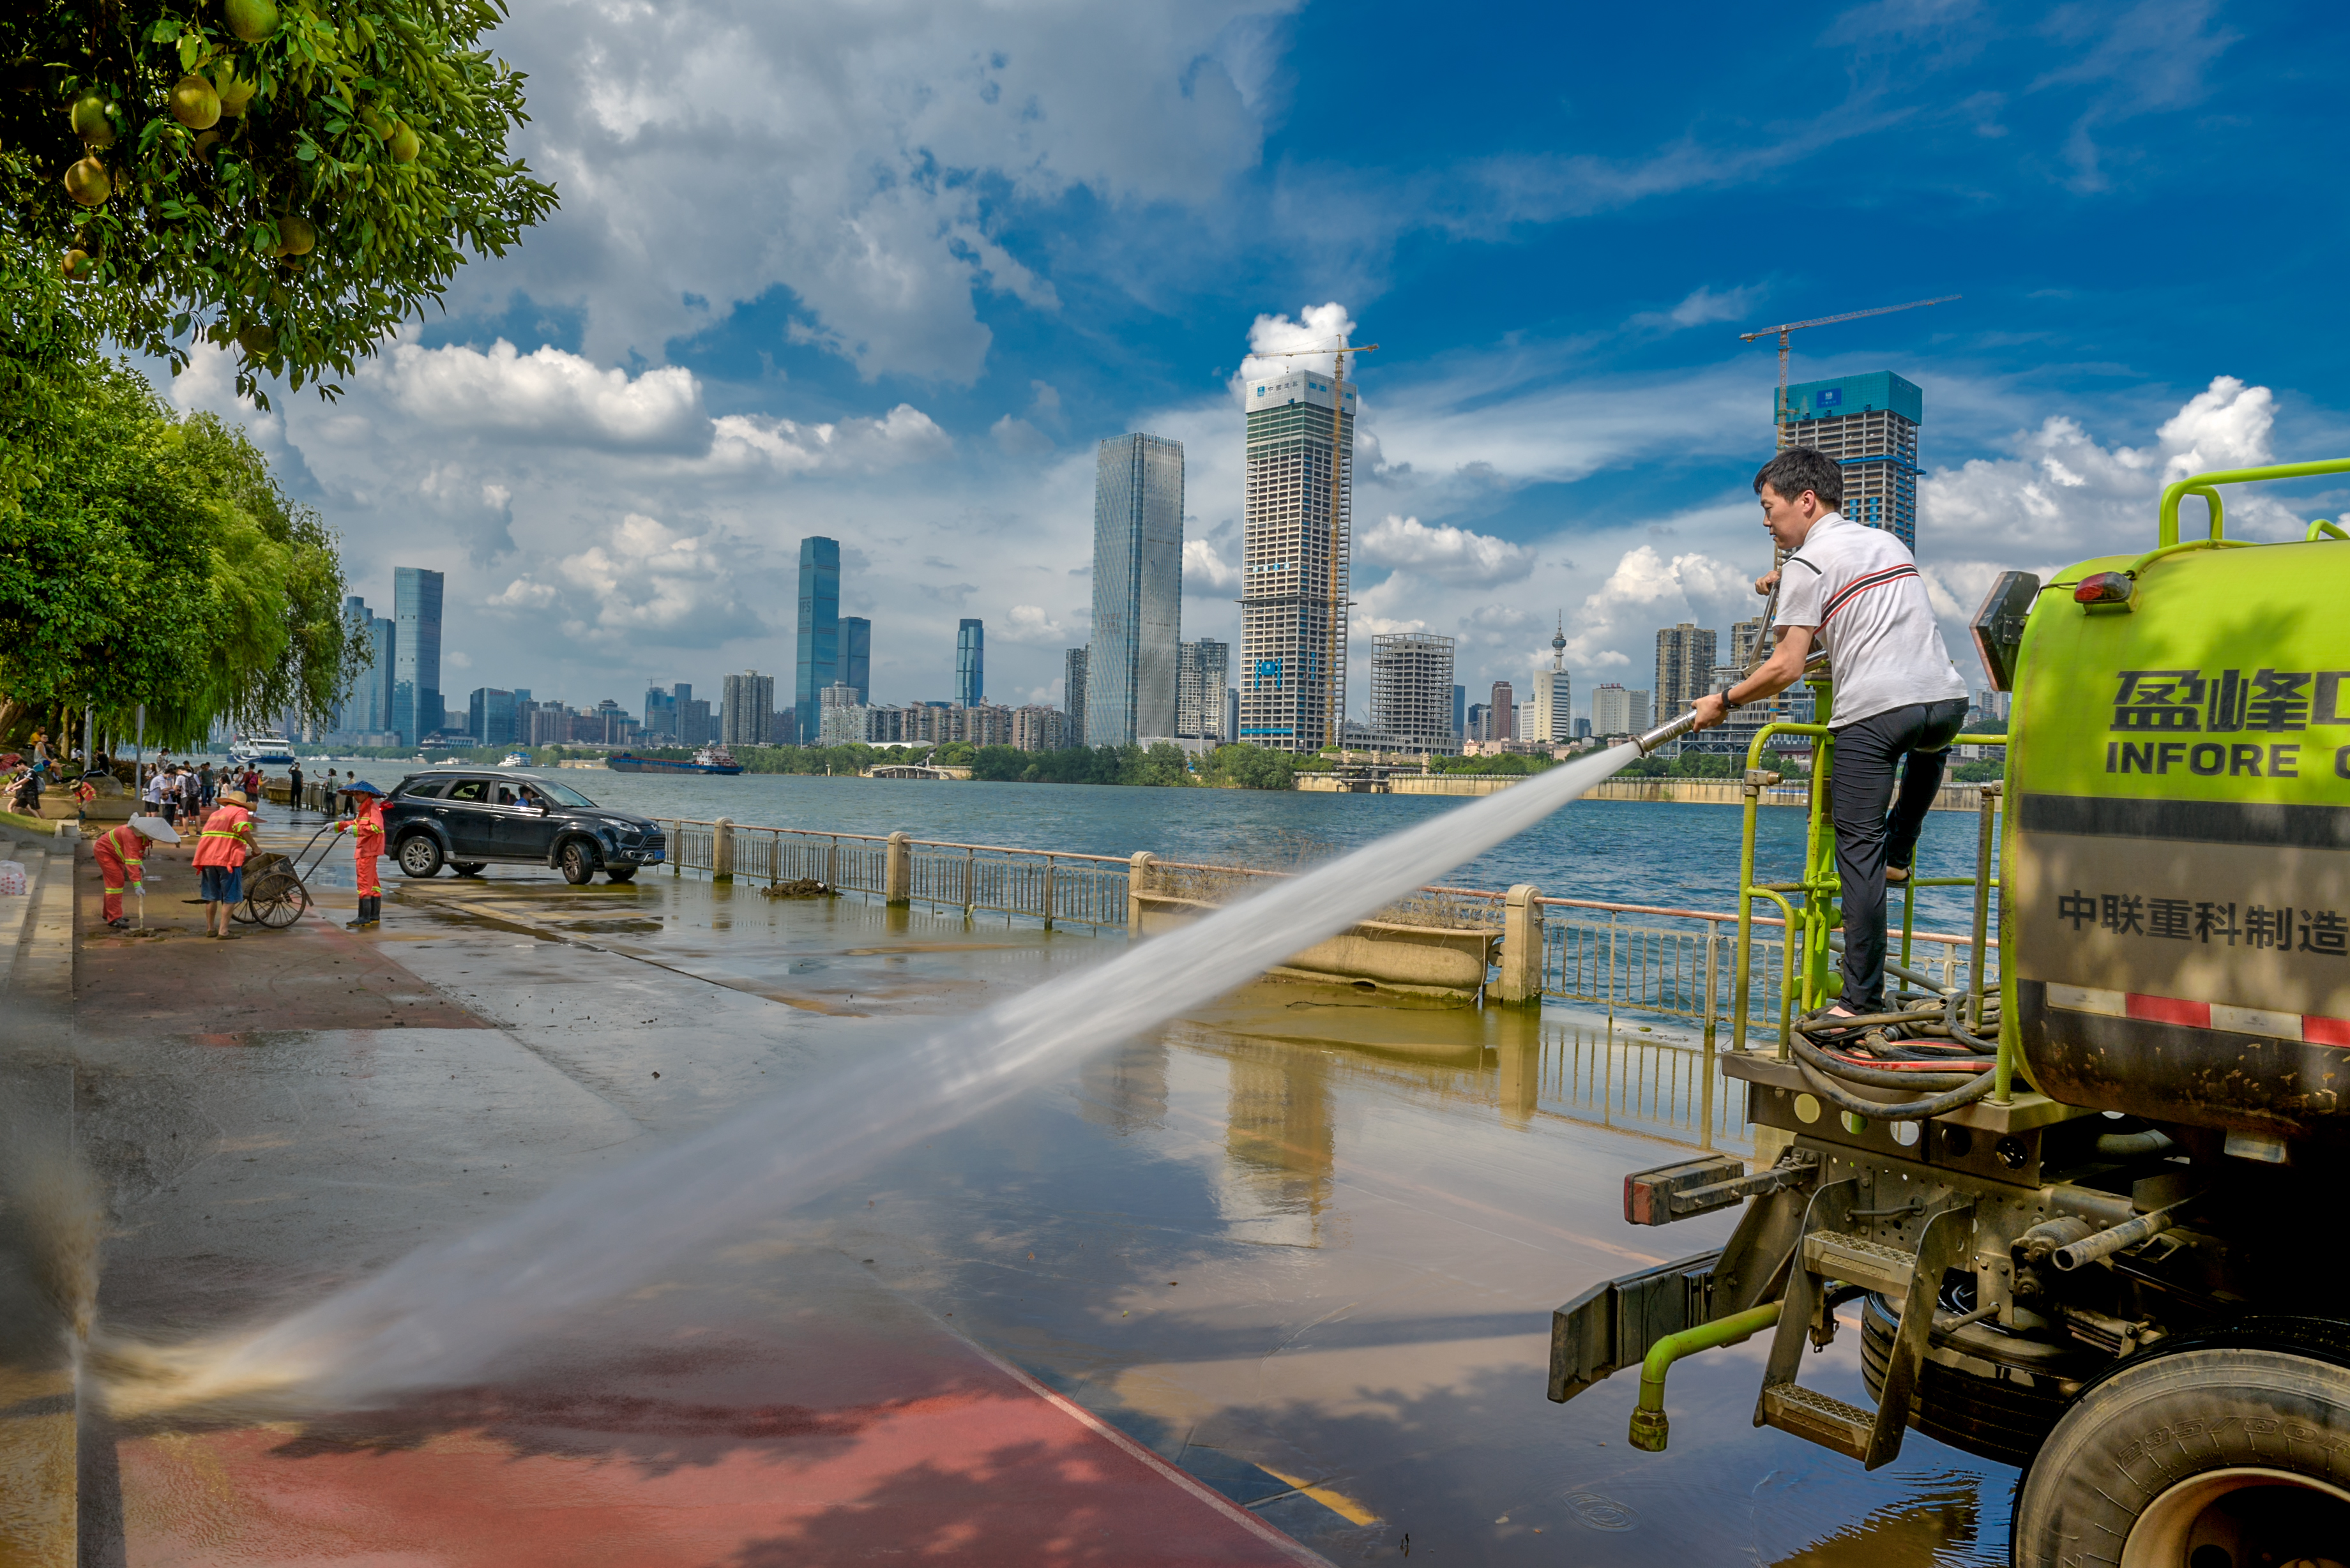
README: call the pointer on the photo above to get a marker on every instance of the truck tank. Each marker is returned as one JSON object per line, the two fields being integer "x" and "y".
{"x": 2097, "y": 1250}
{"x": 2177, "y": 867}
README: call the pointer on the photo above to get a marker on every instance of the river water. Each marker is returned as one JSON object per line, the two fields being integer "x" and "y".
{"x": 1629, "y": 852}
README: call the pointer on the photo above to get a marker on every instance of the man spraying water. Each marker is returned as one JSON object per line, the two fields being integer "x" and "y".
{"x": 1855, "y": 591}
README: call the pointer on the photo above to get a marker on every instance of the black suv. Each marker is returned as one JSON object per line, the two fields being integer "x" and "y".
{"x": 467, "y": 818}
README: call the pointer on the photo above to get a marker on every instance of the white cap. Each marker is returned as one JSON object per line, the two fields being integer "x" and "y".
{"x": 156, "y": 829}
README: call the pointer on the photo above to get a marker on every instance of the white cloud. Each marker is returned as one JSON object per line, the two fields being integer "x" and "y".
{"x": 546, "y": 396}
{"x": 1453, "y": 554}
{"x": 752, "y": 442}
{"x": 1317, "y": 327}
{"x": 1206, "y": 573}
{"x": 643, "y": 580}
{"x": 1018, "y": 438}
{"x": 1646, "y": 591}
{"x": 1029, "y": 624}
{"x": 710, "y": 151}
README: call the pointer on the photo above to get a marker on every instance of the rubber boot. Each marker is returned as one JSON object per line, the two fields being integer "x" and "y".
{"x": 370, "y": 914}
{"x": 374, "y": 910}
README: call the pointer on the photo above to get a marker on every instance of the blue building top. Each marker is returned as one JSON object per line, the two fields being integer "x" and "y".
{"x": 1854, "y": 395}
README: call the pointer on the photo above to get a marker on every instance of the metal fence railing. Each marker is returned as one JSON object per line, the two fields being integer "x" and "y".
{"x": 1609, "y": 957}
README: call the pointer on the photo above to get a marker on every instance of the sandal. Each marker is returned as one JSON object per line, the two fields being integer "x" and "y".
{"x": 1832, "y": 1038}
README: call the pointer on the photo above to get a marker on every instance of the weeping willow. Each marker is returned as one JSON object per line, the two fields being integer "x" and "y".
{"x": 148, "y": 557}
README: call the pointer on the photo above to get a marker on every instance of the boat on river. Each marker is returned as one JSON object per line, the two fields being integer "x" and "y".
{"x": 708, "y": 760}
{"x": 264, "y": 750}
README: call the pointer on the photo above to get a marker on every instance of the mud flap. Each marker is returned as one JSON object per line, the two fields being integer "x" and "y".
{"x": 1612, "y": 1325}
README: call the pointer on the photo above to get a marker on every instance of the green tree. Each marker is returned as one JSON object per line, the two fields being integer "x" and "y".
{"x": 153, "y": 559}
{"x": 295, "y": 177}
{"x": 1242, "y": 766}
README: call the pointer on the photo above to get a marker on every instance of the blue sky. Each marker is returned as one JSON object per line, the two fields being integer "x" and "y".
{"x": 888, "y": 273}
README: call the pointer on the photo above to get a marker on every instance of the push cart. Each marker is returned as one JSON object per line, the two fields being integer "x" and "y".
{"x": 276, "y": 893}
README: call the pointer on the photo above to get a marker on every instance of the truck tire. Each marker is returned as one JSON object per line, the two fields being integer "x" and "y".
{"x": 419, "y": 856}
{"x": 578, "y": 860}
{"x": 2224, "y": 1456}
{"x": 1993, "y": 1395}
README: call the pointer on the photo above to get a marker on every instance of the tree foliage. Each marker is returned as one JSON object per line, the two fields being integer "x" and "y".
{"x": 298, "y": 191}
{"x": 150, "y": 558}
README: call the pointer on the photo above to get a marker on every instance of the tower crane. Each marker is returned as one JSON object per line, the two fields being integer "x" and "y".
{"x": 1340, "y": 460}
{"x": 1786, "y": 327}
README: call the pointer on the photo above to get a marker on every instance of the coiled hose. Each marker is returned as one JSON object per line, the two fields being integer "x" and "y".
{"x": 1969, "y": 1080}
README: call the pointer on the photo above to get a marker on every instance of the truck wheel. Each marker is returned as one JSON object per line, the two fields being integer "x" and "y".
{"x": 419, "y": 856}
{"x": 578, "y": 862}
{"x": 2219, "y": 1458}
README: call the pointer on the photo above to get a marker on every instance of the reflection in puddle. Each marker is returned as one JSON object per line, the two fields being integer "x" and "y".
{"x": 1939, "y": 1522}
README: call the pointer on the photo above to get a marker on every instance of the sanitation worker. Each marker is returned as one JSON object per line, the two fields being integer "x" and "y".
{"x": 1899, "y": 700}
{"x": 221, "y": 851}
{"x": 121, "y": 854}
{"x": 365, "y": 825}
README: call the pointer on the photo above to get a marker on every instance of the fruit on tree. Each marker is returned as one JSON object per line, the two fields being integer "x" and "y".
{"x": 257, "y": 340}
{"x": 195, "y": 104}
{"x": 252, "y": 20}
{"x": 78, "y": 264}
{"x": 88, "y": 182}
{"x": 205, "y": 142}
{"x": 405, "y": 145}
{"x": 295, "y": 237}
{"x": 90, "y": 122}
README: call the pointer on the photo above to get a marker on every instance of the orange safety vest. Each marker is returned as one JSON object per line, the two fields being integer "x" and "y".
{"x": 128, "y": 847}
{"x": 227, "y": 837}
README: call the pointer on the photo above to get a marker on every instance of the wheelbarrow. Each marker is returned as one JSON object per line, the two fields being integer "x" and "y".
{"x": 276, "y": 893}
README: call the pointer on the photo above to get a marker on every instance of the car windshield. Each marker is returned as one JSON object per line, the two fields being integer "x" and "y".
{"x": 561, "y": 794}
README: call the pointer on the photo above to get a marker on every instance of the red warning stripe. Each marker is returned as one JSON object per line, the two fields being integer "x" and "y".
{"x": 2168, "y": 1010}
{"x": 2319, "y": 1031}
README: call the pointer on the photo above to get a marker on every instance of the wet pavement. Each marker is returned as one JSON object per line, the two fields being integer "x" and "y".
{"x": 1296, "y": 1250}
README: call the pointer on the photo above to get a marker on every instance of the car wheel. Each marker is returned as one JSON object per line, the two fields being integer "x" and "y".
{"x": 620, "y": 873}
{"x": 578, "y": 862}
{"x": 2222, "y": 1453}
{"x": 419, "y": 856}
{"x": 467, "y": 867}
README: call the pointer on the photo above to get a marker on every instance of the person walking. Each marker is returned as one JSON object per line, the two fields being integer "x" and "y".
{"x": 121, "y": 855}
{"x": 221, "y": 851}
{"x": 365, "y": 825}
{"x": 293, "y": 777}
{"x": 1899, "y": 699}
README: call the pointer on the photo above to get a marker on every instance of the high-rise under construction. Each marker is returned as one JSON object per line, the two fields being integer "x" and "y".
{"x": 1869, "y": 425}
{"x": 1295, "y": 555}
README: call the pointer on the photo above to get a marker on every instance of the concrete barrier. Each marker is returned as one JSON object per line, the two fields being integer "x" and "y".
{"x": 1447, "y": 962}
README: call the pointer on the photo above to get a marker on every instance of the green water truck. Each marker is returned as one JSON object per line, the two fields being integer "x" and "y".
{"x": 2100, "y": 1246}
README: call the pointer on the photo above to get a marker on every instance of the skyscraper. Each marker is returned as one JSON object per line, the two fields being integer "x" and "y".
{"x": 1461, "y": 712}
{"x": 746, "y": 709}
{"x": 818, "y": 663}
{"x": 660, "y": 712}
{"x": 416, "y": 708}
{"x": 490, "y": 716}
{"x": 1870, "y": 425}
{"x": 366, "y": 708}
{"x": 857, "y": 655}
{"x": 1130, "y": 674}
{"x": 1072, "y": 697}
{"x": 1745, "y": 641}
{"x": 1199, "y": 673}
{"x": 1501, "y": 713}
{"x": 1412, "y": 691}
{"x": 971, "y": 663}
{"x": 1684, "y": 668}
{"x": 1296, "y": 559}
{"x": 1553, "y": 715}
{"x": 1617, "y": 712}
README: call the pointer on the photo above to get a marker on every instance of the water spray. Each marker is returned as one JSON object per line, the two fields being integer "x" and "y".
{"x": 450, "y": 1310}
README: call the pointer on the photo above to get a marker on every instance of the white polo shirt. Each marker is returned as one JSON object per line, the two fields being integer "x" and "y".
{"x": 1858, "y": 587}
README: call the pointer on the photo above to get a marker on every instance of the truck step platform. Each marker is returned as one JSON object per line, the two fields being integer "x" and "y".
{"x": 1833, "y": 1251}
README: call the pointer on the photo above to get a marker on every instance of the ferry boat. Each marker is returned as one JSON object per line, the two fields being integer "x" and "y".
{"x": 266, "y": 751}
{"x": 516, "y": 760}
{"x": 709, "y": 760}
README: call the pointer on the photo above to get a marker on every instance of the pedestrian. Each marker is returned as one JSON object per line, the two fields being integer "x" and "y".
{"x": 293, "y": 777}
{"x": 205, "y": 784}
{"x": 150, "y": 796}
{"x": 121, "y": 854}
{"x": 252, "y": 783}
{"x": 1899, "y": 699}
{"x": 365, "y": 825}
{"x": 221, "y": 851}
